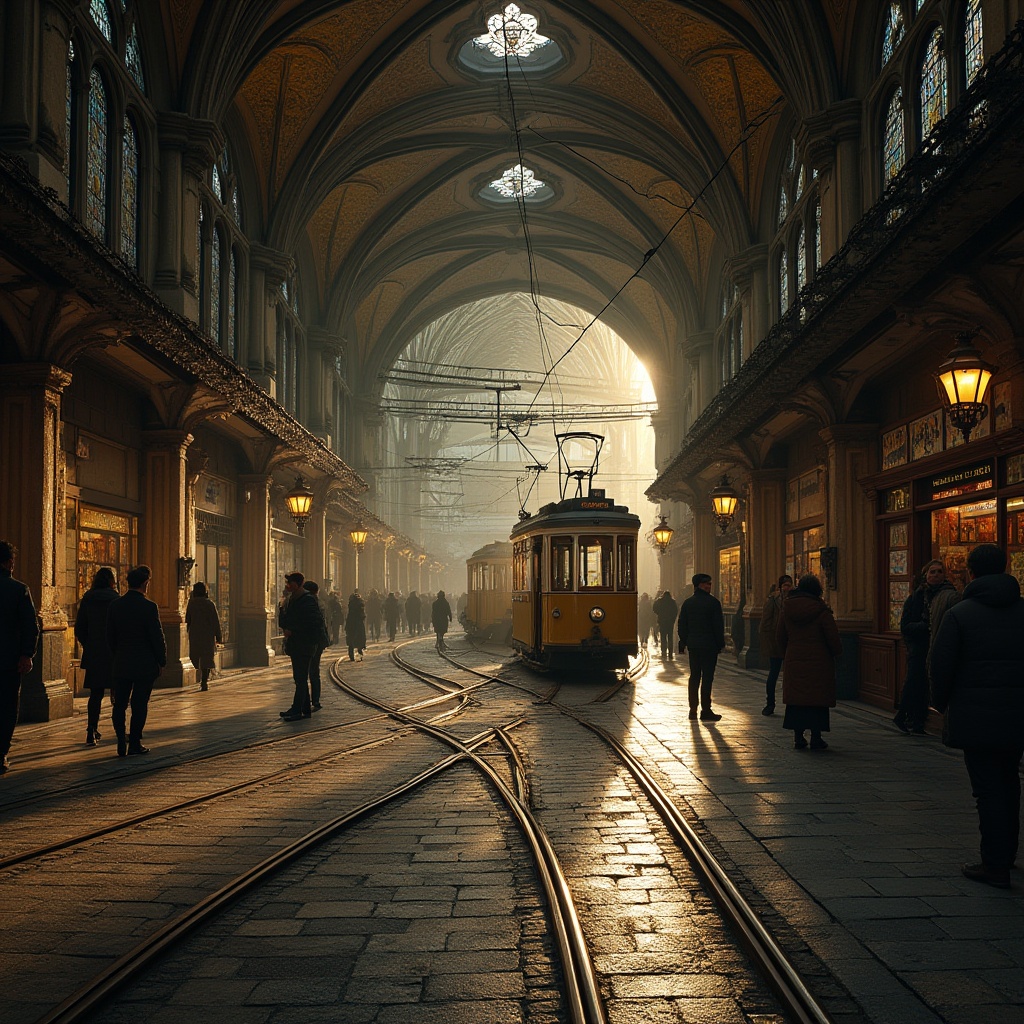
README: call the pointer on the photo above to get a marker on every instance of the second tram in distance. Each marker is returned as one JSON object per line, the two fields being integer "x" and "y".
{"x": 488, "y": 613}
{"x": 574, "y": 592}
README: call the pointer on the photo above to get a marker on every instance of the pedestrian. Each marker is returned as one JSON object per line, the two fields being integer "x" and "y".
{"x": 767, "y": 633}
{"x": 391, "y": 615}
{"x": 304, "y": 634}
{"x": 977, "y": 682}
{"x": 19, "y": 634}
{"x": 645, "y": 619}
{"x": 324, "y": 642}
{"x": 666, "y": 611}
{"x": 203, "y": 625}
{"x": 137, "y": 643}
{"x": 355, "y": 627}
{"x": 97, "y": 659}
{"x": 915, "y": 625}
{"x": 374, "y": 614}
{"x": 413, "y": 608}
{"x": 400, "y": 598}
{"x": 335, "y": 616}
{"x": 702, "y": 632}
{"x": 809, "y": 640}
{"x": 440, "y": 617}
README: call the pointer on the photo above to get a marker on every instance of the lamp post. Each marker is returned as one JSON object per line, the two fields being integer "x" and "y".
{"x": 299, "y": 501}
{"x": 663, "y": 534}
{"x": 723, "y": 503}
{"x": 963, "y": 381}
{"x": 358, "y": 537}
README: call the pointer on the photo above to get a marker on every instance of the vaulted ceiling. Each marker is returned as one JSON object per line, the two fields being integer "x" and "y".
{"x": 362, "y": 143}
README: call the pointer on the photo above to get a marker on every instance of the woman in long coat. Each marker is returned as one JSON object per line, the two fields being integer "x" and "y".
{"x": 97, "y": 659}
{"x": 203, "y": 625}
{"x": 768, "y": 633}
{"x": 809, "y": 641}
{"x": 355, "y": 627}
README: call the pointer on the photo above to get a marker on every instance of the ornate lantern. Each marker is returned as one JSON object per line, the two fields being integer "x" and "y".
{"x": 963, "y": 381}
{"x": 723, "y": 503}
{"x": 358, "y": 535}
{"x": 663, "y": 534}
{"x": 299, "y": 501}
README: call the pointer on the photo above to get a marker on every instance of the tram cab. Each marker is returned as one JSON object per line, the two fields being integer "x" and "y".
{"x": 488, "y": 613}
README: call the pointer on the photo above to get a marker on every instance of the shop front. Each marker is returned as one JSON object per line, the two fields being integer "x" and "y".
{"x": 214, "y": 552}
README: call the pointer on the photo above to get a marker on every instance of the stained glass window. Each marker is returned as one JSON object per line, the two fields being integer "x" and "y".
{"x": 974, "y": 56}
{"x": 783, "y": 282}
{"x": 215, "y": 286}
{"x": 232, "y": 303}
{"x": 892, "y": 35}
{"x": 101, "y": 15}
{"x": 894, "y": 139}
{"x": 801, "y": 183}
{"x": 921, "y": 3}
{"x": 817, "y": 234}
{"x": 235, "y": 212}
{"x": 215, "y": 182}
{"x": 783, "y": 205}
{"x": 933, "y": 84}
{"x": 513, "y": 33}
{"x": 130, "y": 194}
{"x": 96, "y": 160}
{"x": 517, "y": 183}
{"x": 68, "y": 101}
{"x": 200, "y": 271}
{"x": 801, "y": 259}
{"x": 133, "y": 59}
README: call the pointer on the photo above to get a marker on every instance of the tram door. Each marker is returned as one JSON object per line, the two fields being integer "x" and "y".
{"x": 537, "y": 585}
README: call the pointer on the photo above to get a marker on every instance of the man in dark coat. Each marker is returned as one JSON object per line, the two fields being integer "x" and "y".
{"x": 315, "y": 683}
{"x": 666, "y": 610}
{"x": 137, "y": 643}
{"x": 19, "y": 634}
{"x": 440, "y": 618}
{"x": 335, "y": 615}
{"x": 91, "y": 633}
{"x": 702, "y": 632}
{"x": 413, "y": 613}
{"x": 977, "y": 681}
{"x": 305, "y": 635}
{"x": 374, "y": 613}
{"x": 391, "y": 614}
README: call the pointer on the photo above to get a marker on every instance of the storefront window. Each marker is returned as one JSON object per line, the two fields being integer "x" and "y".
{"x": 561, "y": 563}
{"x": 898, "y": 536}
{"x": 1015, "y": 538}
{"x": 956, "y": 530}
{"x": 729, "y": 577}
{"x": 213, "y": 564}
{"x": 284, "y": 557}
{"x": 627, "y": 564}
{"x": 803, "y": 549}
{"x": 596, "y": 563}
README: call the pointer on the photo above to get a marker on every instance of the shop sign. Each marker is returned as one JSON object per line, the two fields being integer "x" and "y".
{"x": 979, "y": 477}
{"x": 213, "y": 494}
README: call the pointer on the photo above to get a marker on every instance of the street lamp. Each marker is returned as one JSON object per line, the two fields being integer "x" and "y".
{"x": 663, "y": 534}
{"x": 299, "y": 501}
{"x": 723, "y": 503}
{"x": 358, "y": 537}
{"x": 963, "y": 381}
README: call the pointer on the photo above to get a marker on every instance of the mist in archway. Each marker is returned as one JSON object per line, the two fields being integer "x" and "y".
{"x": 471, "y": 409}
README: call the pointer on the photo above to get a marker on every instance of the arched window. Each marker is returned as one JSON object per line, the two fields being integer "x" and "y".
{"x": 96, "y": 158}
{"x": 892, "y": 34}
{"x": 801, "y": 259}
{"x": 974, "y": 43}
{"x": 894, "y": 148}
{"x": 69, "y": 103}
{"x": 133, "y": 59}
{"x": 101, "y": 15}
{"x": 130, "y": 194}
{"x": 215, "y": 284}
{"x": 783, "y": 282}
{"x": 215, "y": 184}
{"x": 817, "y": 234}
{"x": 933, "y": 84}
{"x": 783, "y": 205}
{"x": 232, "y": 303}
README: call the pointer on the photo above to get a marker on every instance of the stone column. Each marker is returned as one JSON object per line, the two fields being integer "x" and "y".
{"x": 749, "y": 272}
{"x": 766, "y": 550}
{"x": 32, "y": 519}
{"x": 315, "y": 550}
{"x": 700, "y": 351}
{"x": 705, "y": 551}
{"x": 254, "y": 616}
{"x": 268, "y": 269}
{"x": 163, "y": 539}
{"x": 852, "y": 453}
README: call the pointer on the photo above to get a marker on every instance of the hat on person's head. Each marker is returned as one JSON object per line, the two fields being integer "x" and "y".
{"x": 294, "y": 577}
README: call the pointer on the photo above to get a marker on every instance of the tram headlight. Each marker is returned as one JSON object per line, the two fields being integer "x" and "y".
{"x": 596, "y": 614}
{"x": 556, "y": 614}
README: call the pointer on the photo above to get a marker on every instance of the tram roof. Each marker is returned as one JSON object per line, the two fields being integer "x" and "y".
{"x": 496, "y": 549}
{"x": 574, "y": 512}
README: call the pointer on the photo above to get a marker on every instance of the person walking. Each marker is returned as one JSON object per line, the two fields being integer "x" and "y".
{"x": 335, "y": 616}
{"x": 809, "y": 640}
{"x": 304, "y": 631}
{"x": 355, "y": 627}
{"x": 139, "y": 651}
{"x": 767, "y": 633}
{"x": 440, "y": 617}
{"x": 19, "y": 634}
{"x": 391, "y": 614}
{"x": 915, "y": 625}
{"x": 374, "y": 614}
{"x": 702, "y": 632}
{"x": 645, "y": 619}
{"x": 203, "y": 625}
{"x": 977, "y": 682}
{"x": 666, "y": 611}
{"x": 325, "y": 641}
{"x": 413, "y": 612}
{"x": 97, "y": 659}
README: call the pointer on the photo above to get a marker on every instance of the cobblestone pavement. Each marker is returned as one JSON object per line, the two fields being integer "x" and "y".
{"x": 430, "y": 910}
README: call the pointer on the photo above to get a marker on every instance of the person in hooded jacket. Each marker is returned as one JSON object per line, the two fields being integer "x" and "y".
{"x": 809, "y": 640}
{"x": 666, "y": 611}
{"x": 355, "y": 626}
{"x": 977, "y": 682}
{"x": 374, "y": 614}
{"x": 97, "y": 658}
{"x": 935, "y": 592}
{"x": 391, "y": 615}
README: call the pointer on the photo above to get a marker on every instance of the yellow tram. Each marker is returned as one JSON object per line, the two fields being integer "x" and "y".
{"x": 574, "y": 596}
{"x": 489, "y": 592}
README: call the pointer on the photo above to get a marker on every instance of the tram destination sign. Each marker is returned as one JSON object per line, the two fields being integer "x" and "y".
{"x": 966, "y": 480}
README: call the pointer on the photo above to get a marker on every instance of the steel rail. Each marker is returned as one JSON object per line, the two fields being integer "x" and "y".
{"x": 631, "y": 675}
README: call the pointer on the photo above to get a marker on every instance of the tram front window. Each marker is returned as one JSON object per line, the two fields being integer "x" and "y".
{"x": 627, "y": 558}
{"x": 596, "y": 563}
{"x": 561, "y": 563}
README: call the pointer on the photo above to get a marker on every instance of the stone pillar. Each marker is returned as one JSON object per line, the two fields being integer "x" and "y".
{"x": 32, "y": 519}
{"x": 253, "y": 615}
{"x": 268, "y": 269}
{"x": 749, "y": 272}
{"x": 315, "y": 550}
{"x": 766, "y": 550}
{"x": 705, "y": 551}
{"x": 163, "y": 539}
{"x": 852, "y": 453}
{"x": 700, "y": 351}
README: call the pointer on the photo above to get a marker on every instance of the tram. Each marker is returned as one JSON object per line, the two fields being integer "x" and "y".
{"x": 574, "y": 587}
{"x": 488, "y": 613}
